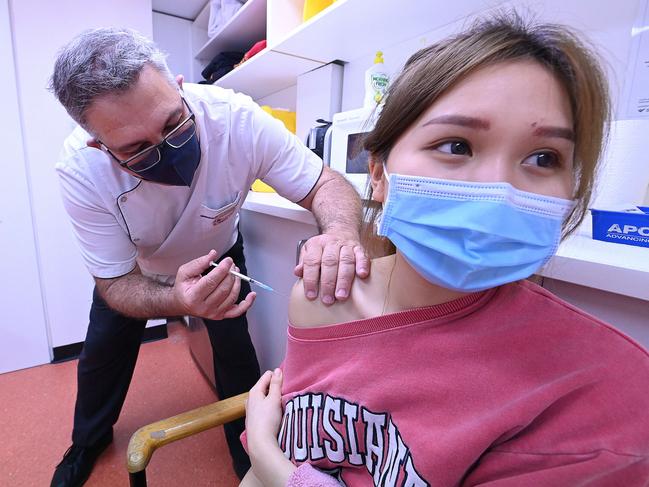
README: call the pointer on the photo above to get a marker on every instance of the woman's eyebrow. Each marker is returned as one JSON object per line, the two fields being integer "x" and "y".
{"x": 478, "y": 123}
{"x": 462, "y": 120}
{"x": 561, "y": 132}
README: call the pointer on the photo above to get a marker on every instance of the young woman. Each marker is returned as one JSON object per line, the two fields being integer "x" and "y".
{"x": 445, "y": 367}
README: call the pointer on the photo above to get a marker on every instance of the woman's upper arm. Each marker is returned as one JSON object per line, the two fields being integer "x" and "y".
{"x": 303, "y": 312}
{"x": 298, "y": 305}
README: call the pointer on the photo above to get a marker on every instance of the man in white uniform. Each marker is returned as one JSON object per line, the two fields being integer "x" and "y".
{"x": 153, "y": 179}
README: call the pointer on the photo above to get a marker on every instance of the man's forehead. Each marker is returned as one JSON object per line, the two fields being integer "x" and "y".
{"x": 137, "y": 112}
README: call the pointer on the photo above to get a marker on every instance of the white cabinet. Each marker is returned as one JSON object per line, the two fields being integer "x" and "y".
{"x": 270, "y": 243}
{"x": 350, "y": 31}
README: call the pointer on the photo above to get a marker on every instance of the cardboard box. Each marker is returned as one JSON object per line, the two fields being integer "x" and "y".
{"x": 625, "y": 227}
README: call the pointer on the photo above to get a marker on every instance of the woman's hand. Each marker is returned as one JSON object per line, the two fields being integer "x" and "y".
{"x": 264, "y": 410}
{"x": 263, "y": 417}
{"x": 270, "y": 467}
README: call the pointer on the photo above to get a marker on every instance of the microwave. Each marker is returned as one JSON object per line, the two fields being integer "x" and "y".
{"x": 347, "y": 155}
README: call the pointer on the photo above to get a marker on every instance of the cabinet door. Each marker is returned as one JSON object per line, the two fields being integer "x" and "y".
{"x": 23, "y": 331}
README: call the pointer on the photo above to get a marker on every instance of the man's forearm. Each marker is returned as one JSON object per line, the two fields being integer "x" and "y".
{"x": 336, "y": 207}
{"x": 138, "y": 296}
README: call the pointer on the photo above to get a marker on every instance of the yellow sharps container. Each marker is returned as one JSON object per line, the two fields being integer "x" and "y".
{"x": 288, "y": 119}
{"x": 313, "y": 7}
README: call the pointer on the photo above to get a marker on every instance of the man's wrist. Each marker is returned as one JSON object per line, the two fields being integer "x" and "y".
{"x": 343, "y": 233}
{"x": 170, "y": 298}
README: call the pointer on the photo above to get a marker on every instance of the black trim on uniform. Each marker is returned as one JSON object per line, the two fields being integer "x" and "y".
{"x": 128, "y": 230}
{"x": 116, "y": 277}
{"x": 314, "y": 184}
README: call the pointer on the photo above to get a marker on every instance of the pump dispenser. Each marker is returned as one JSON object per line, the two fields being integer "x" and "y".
{"x": 376, "y": 82}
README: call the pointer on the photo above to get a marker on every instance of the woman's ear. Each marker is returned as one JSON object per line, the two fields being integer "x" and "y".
{"x": 378, "y": 182}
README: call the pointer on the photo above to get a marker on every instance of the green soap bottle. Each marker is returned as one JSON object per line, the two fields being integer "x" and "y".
{"x": 376, "y": 82}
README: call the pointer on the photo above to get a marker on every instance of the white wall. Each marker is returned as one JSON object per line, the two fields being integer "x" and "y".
{"x": 606, "y": 23}
{"x": 23, "y": 332}
{"x": 284, "y": 99}
{"x": 39, "y": 30}
{"x": 173, "y": 35}
{"x": 181, "y": 39}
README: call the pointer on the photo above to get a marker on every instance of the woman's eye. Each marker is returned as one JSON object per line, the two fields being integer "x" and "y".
{"x": 543, "y": 159}
{"x": 455, "y": 147}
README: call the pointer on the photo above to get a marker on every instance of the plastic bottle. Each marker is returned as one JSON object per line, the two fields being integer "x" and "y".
{"x": 376, "y": 82}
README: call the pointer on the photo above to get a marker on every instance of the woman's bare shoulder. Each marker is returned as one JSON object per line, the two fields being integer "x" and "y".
{"x": 303, "y": 312}
{"x": 363, "y": 302}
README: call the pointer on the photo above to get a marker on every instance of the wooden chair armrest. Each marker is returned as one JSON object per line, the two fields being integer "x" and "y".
{"x": 152, "y": 436}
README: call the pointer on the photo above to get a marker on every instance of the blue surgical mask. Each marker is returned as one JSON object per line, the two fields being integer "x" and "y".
{"x": 177, "y": 165}
{"x": 469, "y": 236}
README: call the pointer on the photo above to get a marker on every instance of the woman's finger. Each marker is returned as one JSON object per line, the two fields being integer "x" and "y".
{"x": 275, "y": 388}
{"x": 261, "y": 387}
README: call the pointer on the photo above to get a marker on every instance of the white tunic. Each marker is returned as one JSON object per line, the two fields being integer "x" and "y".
{"x": 119, "y": 219}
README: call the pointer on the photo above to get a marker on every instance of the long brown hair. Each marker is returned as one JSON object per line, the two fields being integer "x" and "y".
{"x": 432, "y": 71}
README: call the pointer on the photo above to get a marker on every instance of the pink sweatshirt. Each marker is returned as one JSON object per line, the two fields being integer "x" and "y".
{"x": 510, "y": 387}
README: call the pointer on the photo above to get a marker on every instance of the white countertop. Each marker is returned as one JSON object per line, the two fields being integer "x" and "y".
{"x": 273, "y": 204}
{"x": 617, "y": 268}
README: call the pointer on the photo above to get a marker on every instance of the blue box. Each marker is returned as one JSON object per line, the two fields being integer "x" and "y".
{"x": 621, "y": 226}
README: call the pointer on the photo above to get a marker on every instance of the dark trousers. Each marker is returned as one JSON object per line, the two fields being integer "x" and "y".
{"x": 110, "y": 351}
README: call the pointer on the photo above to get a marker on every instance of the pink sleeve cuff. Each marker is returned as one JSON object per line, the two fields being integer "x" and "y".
{"x": 307, "y": 476}
{"x": 243, "y": 438}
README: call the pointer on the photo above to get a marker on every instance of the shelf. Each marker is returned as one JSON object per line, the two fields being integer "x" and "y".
{"x": 245, "y": 28}
{"x": 349, "y": 29}
{"x": 266, "y": 73}
{"x": 617, "y": 268}
{"x": 345, "y": 31}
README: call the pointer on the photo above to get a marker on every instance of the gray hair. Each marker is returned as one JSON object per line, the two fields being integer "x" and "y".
{"x": 99, "y": 62}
